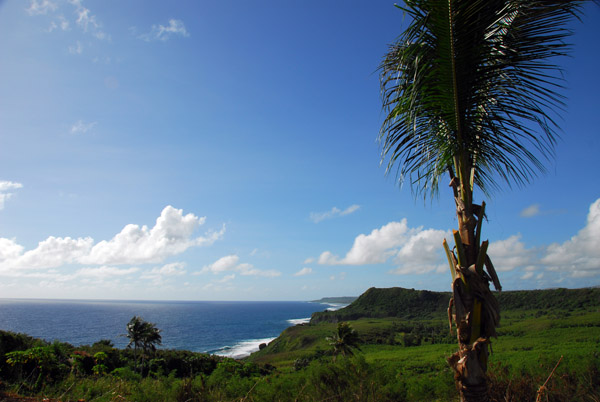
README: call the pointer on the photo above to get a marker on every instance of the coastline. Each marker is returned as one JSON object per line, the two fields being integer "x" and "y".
{"x": 231, "y": 329}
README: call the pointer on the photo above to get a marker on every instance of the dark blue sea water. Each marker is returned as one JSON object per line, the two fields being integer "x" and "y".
{"x": 227, "y": 328}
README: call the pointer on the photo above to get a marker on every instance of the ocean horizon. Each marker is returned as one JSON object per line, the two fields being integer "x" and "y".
{"x": 226, "y": 328}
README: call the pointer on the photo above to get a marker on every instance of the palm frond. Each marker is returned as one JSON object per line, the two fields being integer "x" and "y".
{"x": 474, "y": 85}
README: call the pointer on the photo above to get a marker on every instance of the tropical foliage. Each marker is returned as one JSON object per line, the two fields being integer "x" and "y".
{"x": 470, "y": 89}
{"x": 142, "y": 334}
{"x": 344, "y": 340}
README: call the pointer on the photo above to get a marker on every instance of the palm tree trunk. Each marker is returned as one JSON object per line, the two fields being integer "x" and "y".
{"x": 475, "y": 308}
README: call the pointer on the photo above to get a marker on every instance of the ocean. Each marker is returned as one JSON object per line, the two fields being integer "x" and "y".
{"x": 233, "y": 329}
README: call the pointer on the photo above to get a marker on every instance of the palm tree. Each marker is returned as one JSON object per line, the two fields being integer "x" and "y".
{"x": 344, "y": 339}
{"x": 142, "y": 334}
{"x": 470, "y": 89}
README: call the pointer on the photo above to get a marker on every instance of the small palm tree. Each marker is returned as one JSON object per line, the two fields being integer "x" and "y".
{"x": 470, "y": 90}
{"x": 142, "y": 334}
{"x": 344, "y": 340}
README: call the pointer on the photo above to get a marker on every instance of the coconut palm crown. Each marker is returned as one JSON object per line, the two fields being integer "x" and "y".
{"x": 471, "y": 89}
{"x": 142, "y": 334}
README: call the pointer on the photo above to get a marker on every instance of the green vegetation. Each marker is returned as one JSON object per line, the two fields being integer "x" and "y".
{"x": 144, "y": 335}
{"x": 344, "y": 340}
{"x": 409, "y": 303}
{"x": 399, "y": 359}
{"x": 470, "y": 90}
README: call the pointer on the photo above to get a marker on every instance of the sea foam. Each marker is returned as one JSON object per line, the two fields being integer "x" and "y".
{"x": 297, "y": 321}
{"x": 242, "y": 349}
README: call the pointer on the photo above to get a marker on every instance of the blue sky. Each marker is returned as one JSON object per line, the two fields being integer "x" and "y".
{"x": 227, "y": 150}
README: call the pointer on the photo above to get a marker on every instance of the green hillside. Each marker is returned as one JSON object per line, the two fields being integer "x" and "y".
{"x": 410, "y": 303}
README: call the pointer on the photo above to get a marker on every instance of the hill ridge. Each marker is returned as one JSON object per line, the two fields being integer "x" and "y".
{"x": 405, "y": 303}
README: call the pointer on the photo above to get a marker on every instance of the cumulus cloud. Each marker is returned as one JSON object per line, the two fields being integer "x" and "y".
{"x": 374, "y": 248}
{"x": 511, "y": 253}
{"x": 80, "y": 127}
{"x": 580, "y": 256}
{"x": 412, "y": 250}
{"x": 164, "y": 32}
{"x": 5, "y": 188}
{"x": 171, "y": 235}
{"x": 304, "y": 271}
{"x": 317, "y": 217}
{"x": 50, "y": 253}
{"x": 231, "y": 263}
{"x": 421, "y": 253}
{"x": 531, "y": 211}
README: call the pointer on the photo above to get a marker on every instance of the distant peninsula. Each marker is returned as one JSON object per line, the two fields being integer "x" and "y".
{"x": 339, "y": 300}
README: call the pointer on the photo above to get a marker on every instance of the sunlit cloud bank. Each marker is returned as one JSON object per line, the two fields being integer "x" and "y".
{"x": 419, "y": 251}
{"x": 411, "y": 250}
{"x": 579, "y": 256}
{"x": 171, "y": 235}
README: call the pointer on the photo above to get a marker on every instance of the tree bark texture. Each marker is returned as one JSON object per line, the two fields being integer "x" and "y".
{"x": 473, "y": 308}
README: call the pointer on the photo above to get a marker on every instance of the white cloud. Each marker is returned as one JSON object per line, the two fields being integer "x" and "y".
{"x": 163, "y": 33}
{"x": 9, "y": 185}
{"x": 227, "y": 263}
{"x": 87, "y": 21}
{"x": 527, "y": 275}
{"x": 317, "y": 217}
{"x": 580, "y": 256}
{"x": 37, "y": 7}
{"x": 50, "y": 253}
{"x": 9, "y": 249}
{"x": 304, "y": 271}
{"x": 309, "y": 260}
{"x": 411, "y": 250}
{"x": 531, "y": 211}
{"x": 80, "y": 127}
{"x": 6, "y": 186}
{"x": 230, "y": 263}
{"x": 422, "y": 253}
{"x": 82, "y": 17}
{"x": 511, "y": 253}
{"x": 171, "y": 235}
{"x": 374, "y": 248}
